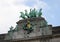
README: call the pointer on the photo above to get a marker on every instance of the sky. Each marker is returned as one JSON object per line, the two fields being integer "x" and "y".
{"x": 9, "y": 11}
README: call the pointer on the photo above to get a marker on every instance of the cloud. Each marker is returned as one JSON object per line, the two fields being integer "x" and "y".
{"x": 9, "y": 11}
{"x": 33, "y": 3}
{"x": 37, "y": 4}
{"x": 9, "y": 14}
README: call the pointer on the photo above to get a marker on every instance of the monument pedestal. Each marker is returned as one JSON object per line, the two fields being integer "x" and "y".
{"x": 38, "y": 24}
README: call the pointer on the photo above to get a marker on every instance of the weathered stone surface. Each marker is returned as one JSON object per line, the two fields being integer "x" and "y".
{"x": 39, "y": 25}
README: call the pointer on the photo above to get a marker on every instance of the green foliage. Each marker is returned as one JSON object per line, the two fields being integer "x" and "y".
{"x": 32, "y": 13}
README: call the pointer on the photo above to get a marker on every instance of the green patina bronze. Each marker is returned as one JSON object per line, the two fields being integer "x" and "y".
{"x": 32, "y": 13}
{"x": 26, "y": 13}
{"x": 16, "y": 28}
{"x": 22, "y": 15}
{"x": 40, "y": 13}
{"x": 11, "y": 28}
